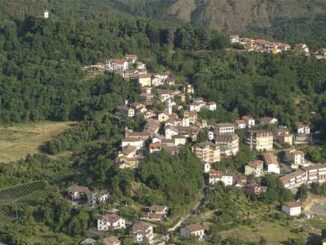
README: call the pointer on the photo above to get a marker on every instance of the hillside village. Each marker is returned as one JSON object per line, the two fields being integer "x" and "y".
{"x": 177, "y": 124}
{"x": 136, "y": 122}
{"x": 274, "y": 47}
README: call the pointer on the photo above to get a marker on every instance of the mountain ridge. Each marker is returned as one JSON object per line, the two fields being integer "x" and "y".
{"x": 241, "y": 16}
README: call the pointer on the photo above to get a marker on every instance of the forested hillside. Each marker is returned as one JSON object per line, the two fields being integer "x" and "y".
{"x": 292, "y": 21}
{"x": 45, "y": 58}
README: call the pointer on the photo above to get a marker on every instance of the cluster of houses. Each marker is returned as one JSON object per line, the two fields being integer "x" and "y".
{"x": 142, "y": 231}
{"x": 83, "y": 195}
{"x": 178, "y": 123}
{"x": 223, "y": 142}
{"x": 259, "y": 45}
{"x": 263, "y": 139}
{"x": 265, "y": 46}
{"x": 131, "y": 69}
{"x": 164, "y": 129}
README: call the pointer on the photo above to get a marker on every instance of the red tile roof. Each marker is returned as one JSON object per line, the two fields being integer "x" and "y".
{"x": 112, "y": 240}
{"x": 111, "y": 217}
{"x": 195, "y": 227}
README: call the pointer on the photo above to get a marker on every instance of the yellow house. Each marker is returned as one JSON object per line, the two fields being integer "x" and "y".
{"x": 276, "y": 51}
{"x": 145, "y": 80}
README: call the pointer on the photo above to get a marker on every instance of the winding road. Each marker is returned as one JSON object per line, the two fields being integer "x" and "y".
{"x": 199, "y": 203}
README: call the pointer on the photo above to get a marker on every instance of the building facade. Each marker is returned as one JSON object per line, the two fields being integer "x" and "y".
{"x": 260, "y": 140}
{"x": 207, "y": 152}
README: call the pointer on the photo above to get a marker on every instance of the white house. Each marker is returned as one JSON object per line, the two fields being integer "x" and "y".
{"x": 141, "y": 66}
{"x": 216, "y": 176}
{"x": 118, "y": 65}
{"x": 197, "y": 105}
{"x": 101, "y": 196}
{"x": 185, "y": 122}
{"x": 273, "y": 168}
{"x": 302, "y": 48}
{"x": 303, "y": 129}
{"x": 292, "y": 208}
{"x": 159, "y": 80}
{"x": 144, "y": 232}
{"x": 268, "y": 121}
{"x": 272, "y": 163}
{"x": 197, "y": 230}
{"x": 240, "y": 124}
{"x": 250, "y": 122}
{"x": 224, "y": 128}
{"x": 137, "y": 143}
{"x": 110, "y": 221}
{"x": 171, "y": 131}
{"x": 165, "y": 94}
{"x": 227, "y": 179}
{"x": 295, "y": 157}
{"x": 234, "y": 39}
{"x": 255, "y": 167}
{"x": 211, "y": 106}
{"x": 211, "y": 135}
{"x": 156, "y": 213}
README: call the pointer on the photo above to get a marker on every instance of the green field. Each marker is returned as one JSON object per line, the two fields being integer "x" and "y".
{"x": 273, "y": 232}
{"x": 19, "y": 140}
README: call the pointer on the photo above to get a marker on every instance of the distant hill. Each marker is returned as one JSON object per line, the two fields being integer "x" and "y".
{"x": 228, "y": 15}
{"x": 242, "y": 15}
{"x": 74, "y": 9}
{"x": 288, "y": 20}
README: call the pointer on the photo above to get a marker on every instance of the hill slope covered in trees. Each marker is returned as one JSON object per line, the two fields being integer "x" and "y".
{"x": 241, "y": 16}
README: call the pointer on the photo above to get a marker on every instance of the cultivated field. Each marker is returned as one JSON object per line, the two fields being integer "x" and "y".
{"x": 19, "y": 140}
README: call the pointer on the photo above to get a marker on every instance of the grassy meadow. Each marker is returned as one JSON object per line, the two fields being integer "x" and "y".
{"x": 19, "y": 140}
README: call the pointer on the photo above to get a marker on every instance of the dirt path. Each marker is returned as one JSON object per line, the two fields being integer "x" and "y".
{"x": 183, "y": 220}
